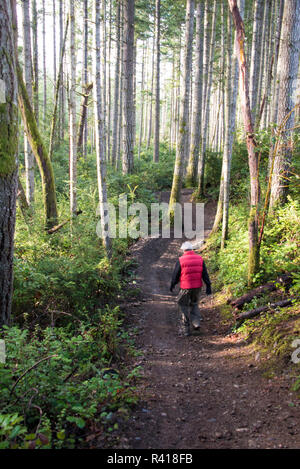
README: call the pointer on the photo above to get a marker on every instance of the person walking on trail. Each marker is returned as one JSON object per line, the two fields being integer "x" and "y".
{"x": 191, "y": 271}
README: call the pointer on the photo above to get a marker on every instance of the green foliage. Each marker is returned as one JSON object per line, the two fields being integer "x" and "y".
{"x": 279, "y": 249}
{"x": 230, "y": 263}
{"x": 11, "y": 430}
{"x": 60, "y": 380}
{"x": 67, "y": 346}
{"x": 213, "y": 168}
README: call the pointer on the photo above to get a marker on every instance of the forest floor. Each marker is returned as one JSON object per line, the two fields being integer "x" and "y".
{"x": 203, "y": 391}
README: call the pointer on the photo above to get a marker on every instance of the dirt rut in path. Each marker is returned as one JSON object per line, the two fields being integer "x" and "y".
{"x": 202, "y": 391}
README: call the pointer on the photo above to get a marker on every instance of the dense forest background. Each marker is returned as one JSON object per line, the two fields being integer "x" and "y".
{"x": 132, "y": 97}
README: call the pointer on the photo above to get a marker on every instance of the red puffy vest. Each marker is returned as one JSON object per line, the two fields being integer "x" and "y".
{"x": 191, "y": 270}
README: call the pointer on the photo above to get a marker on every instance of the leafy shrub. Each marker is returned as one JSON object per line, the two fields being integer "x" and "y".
{"x": 60, "y": 380}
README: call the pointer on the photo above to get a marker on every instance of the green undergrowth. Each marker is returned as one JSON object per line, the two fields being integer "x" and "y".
{"x": 271, "y": 334}
{"x": 275, "y": 336}
{"x": 68, "y": 380}
{"x": 279, "y": 250}
{"x": 60, "y": 384}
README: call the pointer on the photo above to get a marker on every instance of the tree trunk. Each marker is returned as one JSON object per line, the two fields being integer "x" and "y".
{"x": 275, "y": 87}
{"x": 255, "y": 312}
{"x": 128, "y": 137}
{"x": 99, "y": 129}
{"x": 103, "y": 79}
{"x": 57, "y": 89}
{"x": 207, "y": 91}
{"x": 72, "y": 123}
{"x": 157, "y": 87}
{"x": 109, "y": 108}
{"x": 8, "y": 153}
{"x": 44, "y": 66}
{"x": 142, "y": 103}
{"x": 255, "y": 58}
{"x": 35, "y": 61}
{"x": 39, "y": 151}
{"x": 191, "y": 178}
{"x": 29, "y": 158}
{"x": 83, "y": 117}
{"x": 253, "y": 263}
{"x": 116, "y": 90}
{"x": 227, "y": 147}
{"x": 54, "y": 45}
{"x": 288, "y": 64}
{"x": 121, "y": 99}
{"x": 62, "y": 89}
{"x": 151, "y": 96}
{"x": 180, "y": 153}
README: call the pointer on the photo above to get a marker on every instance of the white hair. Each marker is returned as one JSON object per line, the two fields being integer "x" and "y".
{"x": 187, "y": 246}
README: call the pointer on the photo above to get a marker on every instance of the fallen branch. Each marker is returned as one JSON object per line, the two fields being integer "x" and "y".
{"x": 282, "y": 280}
{"x": 29, "y": 369}
{"x": 54, "y": 229}
{"x": 255, "y": 312}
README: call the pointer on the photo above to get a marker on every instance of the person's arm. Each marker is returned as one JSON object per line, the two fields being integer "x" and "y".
{"x": 176, "y": 275}
{"x": 206, "y": 279}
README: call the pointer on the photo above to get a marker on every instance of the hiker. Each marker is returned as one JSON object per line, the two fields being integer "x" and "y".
{"x": 190, "y": 270}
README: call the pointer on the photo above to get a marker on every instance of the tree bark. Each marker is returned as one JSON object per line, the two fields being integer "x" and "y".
{"x": 191, "y": 177}
{"x": 128, "y": 137}
{"x": 180, "y": 153}
{"x": 83, "y": 116}
{"x": 99, "y": 130}
{"x": 57, "y": 90}
{"x": 253, "y": 262}
{"x": 35, "y": 61}
{"x": 39, "y": 151}
{"x": 157, "y": 78}
{"x": 210, "y": 38}
{"x": 8, "y": 154}
{"x": 62, "y": 89}
{"x": 255, "y": 312}
{"x": 255, "y": 58}
{"x": 54, "y": 45}
{"x": 29, "y": 158}
{"x": 72, "y": 104}
{"x": 116, "y": 90}
{"x": 288, "y": 63}
{"x": 44, "y": 65}
{"x": 142, "y": 103}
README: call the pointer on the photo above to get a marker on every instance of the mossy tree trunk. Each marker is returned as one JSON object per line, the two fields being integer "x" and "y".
{"x": 8, "y": 155}
{"x": 28, "y": 155}
{"x": 39, "y": 151}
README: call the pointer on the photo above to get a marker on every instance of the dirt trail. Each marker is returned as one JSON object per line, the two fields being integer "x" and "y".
{"x": 202, "y": 391}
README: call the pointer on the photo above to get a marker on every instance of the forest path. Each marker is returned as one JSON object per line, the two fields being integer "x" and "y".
{"x": 202, "y": 391}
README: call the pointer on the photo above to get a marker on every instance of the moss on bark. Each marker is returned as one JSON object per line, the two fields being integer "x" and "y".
{"x": 40, "y": 153}
{"x": 8, "y": 140}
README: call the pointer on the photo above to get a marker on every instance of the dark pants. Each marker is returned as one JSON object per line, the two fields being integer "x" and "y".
{"x": 188, "y": 304}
